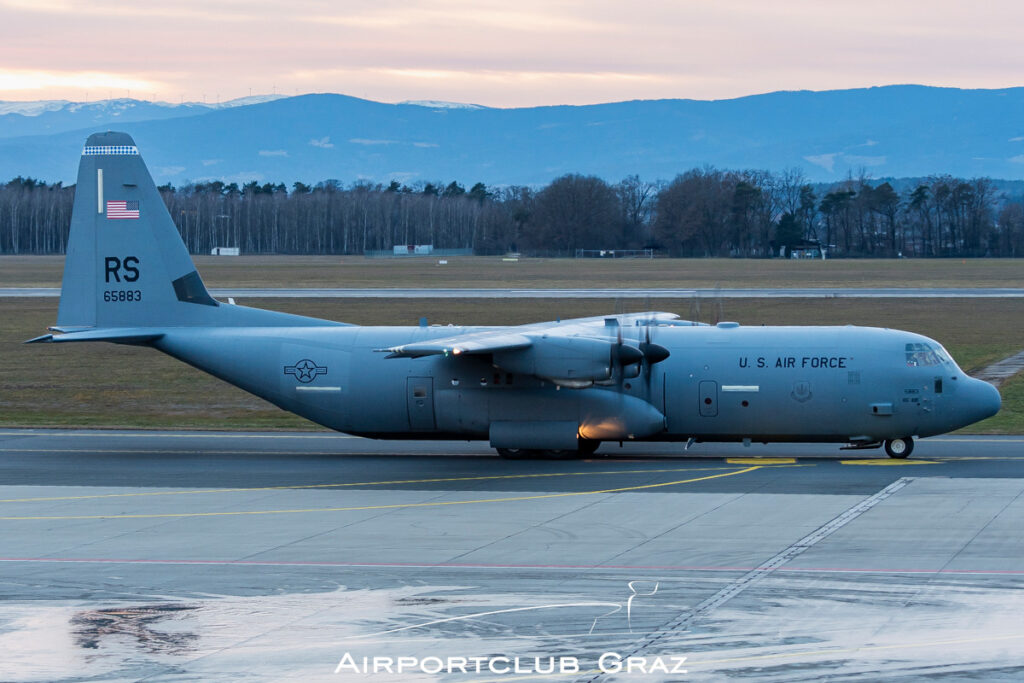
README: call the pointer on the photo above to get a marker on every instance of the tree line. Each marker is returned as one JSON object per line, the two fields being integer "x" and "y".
{"x": 703, "y": 212}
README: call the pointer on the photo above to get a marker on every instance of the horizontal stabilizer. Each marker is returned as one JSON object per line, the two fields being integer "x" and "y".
{"x": 123, "y": 335}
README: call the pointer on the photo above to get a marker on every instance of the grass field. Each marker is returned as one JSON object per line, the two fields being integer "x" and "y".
{"x": 105, "y": 385}
{"x": 479, "y": 271}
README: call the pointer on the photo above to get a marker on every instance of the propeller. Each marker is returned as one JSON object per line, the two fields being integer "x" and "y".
{"x": 623, "y": 355}
{"x": 634, "y": 358}
{"x": 652, "y": 353}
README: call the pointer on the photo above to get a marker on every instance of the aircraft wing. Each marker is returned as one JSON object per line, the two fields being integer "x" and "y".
{"x": 473, "y": 343}
{"x": 524, "y": 336}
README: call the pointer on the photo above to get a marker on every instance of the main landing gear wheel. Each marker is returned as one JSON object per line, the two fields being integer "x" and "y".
{"x": 899, "y": 448}
{"x": 534, "y": 454}
{"x": 518, "y": 453}
{"x": 585, "y": 448}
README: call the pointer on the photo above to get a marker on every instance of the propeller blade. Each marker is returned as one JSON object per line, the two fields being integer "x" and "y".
{"x": 653, "y": 354}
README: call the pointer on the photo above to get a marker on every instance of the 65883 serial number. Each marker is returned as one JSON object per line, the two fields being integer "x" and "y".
{"x": 119, "y": 295}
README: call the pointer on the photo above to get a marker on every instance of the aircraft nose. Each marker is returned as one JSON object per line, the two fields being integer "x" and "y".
{"x": 985, "y": 400}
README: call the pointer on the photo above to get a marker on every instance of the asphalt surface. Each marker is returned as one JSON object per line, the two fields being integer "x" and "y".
{"x": 428, "y": 293}
{"x": 185, "y": 556}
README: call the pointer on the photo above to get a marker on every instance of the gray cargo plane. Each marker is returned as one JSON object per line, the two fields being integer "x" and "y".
{"x": 541, "y": 390}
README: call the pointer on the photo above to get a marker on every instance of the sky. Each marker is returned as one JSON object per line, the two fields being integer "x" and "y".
{"x": 504, "y": 54}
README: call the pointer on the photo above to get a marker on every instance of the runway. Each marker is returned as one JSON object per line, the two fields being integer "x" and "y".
{"x": 182, "y": 556}
{"x": 431, "y": 293}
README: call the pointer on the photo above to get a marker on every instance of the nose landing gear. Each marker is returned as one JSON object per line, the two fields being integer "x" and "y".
{"x": 899, "y": 448}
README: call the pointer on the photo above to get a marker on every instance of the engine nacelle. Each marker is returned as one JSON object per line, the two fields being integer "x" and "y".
{"x": 561, "y": 359}
{"x": 611, "y": 416}
{"x": 558, "y": 424}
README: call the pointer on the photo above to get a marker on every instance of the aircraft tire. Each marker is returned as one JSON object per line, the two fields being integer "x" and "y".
{"x": 899, "y": 448}
{"x": 560, "y": 454}
{"x": 586, "y": 448}
{"x": 545, "y": 454}
{"x": 517, "y": 453}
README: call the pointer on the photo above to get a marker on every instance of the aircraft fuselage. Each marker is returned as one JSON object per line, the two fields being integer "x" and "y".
{"x": 722, "y": 383}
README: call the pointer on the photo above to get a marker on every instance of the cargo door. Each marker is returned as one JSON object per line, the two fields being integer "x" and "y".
{"x": 708, "y": 399}
{"x": 420, "y": 399}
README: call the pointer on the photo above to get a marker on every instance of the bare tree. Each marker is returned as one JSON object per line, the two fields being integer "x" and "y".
{"x": 704, "y": 211}
{"x": 575, "y": 212}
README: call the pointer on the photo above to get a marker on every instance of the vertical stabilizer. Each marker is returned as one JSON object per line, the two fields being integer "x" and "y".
{"x": 126, "y": 264}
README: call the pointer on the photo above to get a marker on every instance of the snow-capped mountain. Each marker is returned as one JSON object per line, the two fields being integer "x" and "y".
{"x": 894, "y": 131}
{"x": 44, "y": 117}
{"x": 441, "y": 104}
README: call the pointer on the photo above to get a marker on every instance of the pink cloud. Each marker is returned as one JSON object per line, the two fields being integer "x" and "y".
{"x": 500, "y": 54}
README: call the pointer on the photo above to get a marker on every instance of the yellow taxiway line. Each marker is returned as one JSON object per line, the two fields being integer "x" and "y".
{"x": 509, "y": 499}
{"x": 393, "y": 482}
{"x": 889, "y": 462}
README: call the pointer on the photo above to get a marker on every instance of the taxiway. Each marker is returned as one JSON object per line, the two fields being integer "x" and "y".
{"x": 180, "y": 556}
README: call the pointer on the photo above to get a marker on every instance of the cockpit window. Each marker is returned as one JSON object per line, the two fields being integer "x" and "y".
{"x": 923, "y": 355}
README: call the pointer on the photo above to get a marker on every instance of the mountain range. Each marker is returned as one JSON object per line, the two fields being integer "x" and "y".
{"x": 891, "y": 131}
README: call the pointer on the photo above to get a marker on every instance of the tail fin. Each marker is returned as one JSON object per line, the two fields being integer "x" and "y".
{"x": 126, "y": 264}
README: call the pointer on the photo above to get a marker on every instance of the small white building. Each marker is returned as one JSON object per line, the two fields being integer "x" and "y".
{"x": 224, "y": 251}
{"x": 413, "y": 249}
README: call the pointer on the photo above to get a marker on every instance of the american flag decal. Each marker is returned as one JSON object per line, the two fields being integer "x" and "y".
{"x": 121, "y": 209}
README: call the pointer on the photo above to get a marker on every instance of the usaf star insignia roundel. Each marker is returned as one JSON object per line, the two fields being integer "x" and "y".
{"x": 305, "y": 370}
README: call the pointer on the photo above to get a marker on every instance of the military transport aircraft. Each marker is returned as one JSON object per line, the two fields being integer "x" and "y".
{"x": 540, "y": 390}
